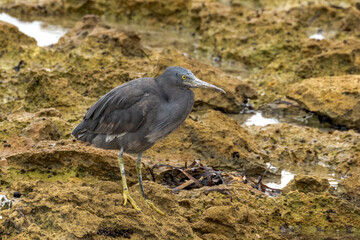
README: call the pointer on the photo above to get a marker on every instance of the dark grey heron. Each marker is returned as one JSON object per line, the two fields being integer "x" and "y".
{"x": 134, "y": 115}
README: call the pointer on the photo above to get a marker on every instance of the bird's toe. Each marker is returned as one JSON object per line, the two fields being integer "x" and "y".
{"x": 127, "y": 197}
{"x": 151, "y": 205}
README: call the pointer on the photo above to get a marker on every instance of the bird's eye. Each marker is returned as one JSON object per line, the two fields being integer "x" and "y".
{"x": 183, "y": 77}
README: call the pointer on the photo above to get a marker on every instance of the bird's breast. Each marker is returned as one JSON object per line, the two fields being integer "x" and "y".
{"x": 170, "y": 115}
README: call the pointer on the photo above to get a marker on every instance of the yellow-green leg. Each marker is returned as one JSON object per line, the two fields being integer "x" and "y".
{"x": 126, "y": 193}
{"x": 147, "y": 202}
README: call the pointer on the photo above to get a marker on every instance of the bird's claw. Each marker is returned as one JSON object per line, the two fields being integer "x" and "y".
{"x": 131, "y": 200}
{"x": 151, "y": 205}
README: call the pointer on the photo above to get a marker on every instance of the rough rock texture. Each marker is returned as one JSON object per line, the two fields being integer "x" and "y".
{"x": 71, "y": 191}
{"x": 307, "y": 184}
{"x": 335, "y": 97}
{"x": 302, "y": 148}
{"x": 328, "y": 58}
{"x": 350, "y": 187}
{"x": 12, "y": 51}
{"x": 42, "y": 129}
{"x": 64, "y": 206}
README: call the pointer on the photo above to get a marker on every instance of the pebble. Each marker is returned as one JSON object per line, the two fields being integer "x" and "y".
{"x": 17, "y": 194}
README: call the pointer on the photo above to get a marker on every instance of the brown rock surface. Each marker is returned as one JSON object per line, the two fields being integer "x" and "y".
{"x": 91, "y": 34}
{"x": 350, "y": 187}
{"x": 42, "y": 129}
{"x": 72, "y": 191}
{"x": 12, "y": 51}
{"x": 301, "y": 149}
{"x": 305, "y": 184}
{"x": 335, "y": 97}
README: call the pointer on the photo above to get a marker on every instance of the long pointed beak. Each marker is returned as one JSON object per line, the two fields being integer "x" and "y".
{"x": 197, "y": 83}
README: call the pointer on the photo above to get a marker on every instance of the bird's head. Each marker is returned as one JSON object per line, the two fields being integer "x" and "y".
{"x": 182, "y": 77}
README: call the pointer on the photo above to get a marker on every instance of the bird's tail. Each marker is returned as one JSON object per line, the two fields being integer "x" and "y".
{"x": 81, "y": 133}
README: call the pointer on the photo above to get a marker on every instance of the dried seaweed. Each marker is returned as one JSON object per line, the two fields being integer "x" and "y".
{"x": 196, "y": 175}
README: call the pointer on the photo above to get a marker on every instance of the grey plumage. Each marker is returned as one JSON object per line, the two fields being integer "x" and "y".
{"x": 136, "y": 114}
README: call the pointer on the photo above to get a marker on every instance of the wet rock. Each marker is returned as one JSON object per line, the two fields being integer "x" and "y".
{"x": 93, "y": 37}
{"x": 349, "y": 188}
{"x": 12, "y": 52}
{"x": 306, "y": 184}
{"x": 290, "y": 111}
{"x": 302, "y": 149}
{"x": 335, "y": 97}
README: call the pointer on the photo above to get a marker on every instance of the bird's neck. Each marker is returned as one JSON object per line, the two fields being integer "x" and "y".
{"x": 169, "y": 91}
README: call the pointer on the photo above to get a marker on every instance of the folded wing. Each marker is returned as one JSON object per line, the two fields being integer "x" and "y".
{"x": 122, "y": 110}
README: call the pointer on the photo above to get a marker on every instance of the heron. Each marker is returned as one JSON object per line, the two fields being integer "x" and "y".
{"x": 136, "y": 114}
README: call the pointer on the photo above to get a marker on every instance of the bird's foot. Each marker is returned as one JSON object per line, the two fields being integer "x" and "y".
{"x": 127, "y": 197}
{"x": 151, "y": 205}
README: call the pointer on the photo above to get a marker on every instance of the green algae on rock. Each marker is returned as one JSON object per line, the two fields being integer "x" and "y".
{"x": 270, "y": 40}
{"x": 12, "y": 52}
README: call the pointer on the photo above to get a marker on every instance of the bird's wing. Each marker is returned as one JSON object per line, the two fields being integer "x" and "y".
{"x": 122, "y": 110}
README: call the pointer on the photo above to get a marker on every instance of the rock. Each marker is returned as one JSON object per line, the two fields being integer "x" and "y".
{"x": 91, "y": 35}
{"x": 89, "y": 179}
{"x": 335, "y": 97}
{"x": 252, "y": 49}
{"x": 17, "y": 194}
{"x": 306, "y": 184}
{"x": 301, "y": 150}
{"x": 349, "y": 188}
{"x": 290, "y": 111}
{"x": 54, "y": 204}
{"x": 41, "y": 92}
{"x": 329, "y": 58}
{"x": 82, "y": 159}
{"x": 211, "y": 217}
{"x": 148, "y": 12}
{"x": 12, "y": 52}
{"x": 48, "y": 112}
{"x": 3, "y": 163}
{"x": 42, "y": 129}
